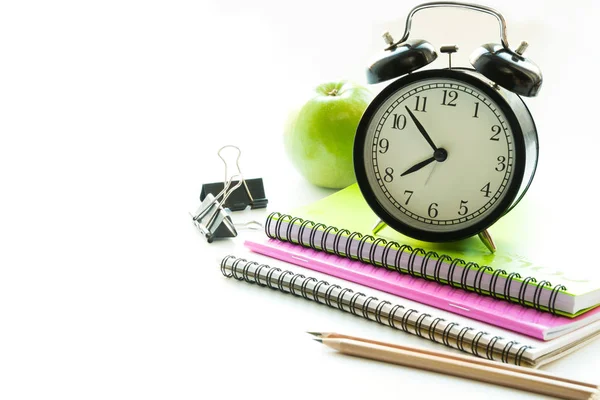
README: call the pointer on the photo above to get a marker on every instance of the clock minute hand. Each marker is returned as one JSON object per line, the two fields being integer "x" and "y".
{"x": 418, "y": 166}
{"x": 421, "y": 129}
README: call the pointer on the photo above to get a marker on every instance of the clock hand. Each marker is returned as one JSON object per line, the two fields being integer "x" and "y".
{"x": 418, "y": 166}
{"x": 430, "y": 173}
{"x": 421, "y": 129}
{"x": 439, "y": 155}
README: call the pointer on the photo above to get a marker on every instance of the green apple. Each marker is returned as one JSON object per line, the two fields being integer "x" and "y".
{"x": 319, "y": 136}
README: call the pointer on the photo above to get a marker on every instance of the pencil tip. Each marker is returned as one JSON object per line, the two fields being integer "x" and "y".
{"x": 319, "y": 340}
{"x": 315, "y": 333}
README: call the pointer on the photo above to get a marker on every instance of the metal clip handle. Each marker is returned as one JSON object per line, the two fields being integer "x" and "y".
{"x": 217, "y": 204}
{"x": 239, "y": 171}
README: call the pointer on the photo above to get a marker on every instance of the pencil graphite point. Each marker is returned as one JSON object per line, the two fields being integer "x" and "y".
{"x": 315, "y": 333}
{"x": 319, "y": 340}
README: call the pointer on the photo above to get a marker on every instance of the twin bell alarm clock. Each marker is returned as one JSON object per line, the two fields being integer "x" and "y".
{"x": 442, "y": 154}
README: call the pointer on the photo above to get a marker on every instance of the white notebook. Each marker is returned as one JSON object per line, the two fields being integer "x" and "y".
{"x": 407, "y": 316}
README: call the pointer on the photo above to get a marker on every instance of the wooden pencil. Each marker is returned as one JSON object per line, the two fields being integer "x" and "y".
{"x": 459, "y": 357}
{"x": 546, "y": 385}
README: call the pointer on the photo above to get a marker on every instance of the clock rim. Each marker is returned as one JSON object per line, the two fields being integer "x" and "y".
{"x": 511, "y": 190}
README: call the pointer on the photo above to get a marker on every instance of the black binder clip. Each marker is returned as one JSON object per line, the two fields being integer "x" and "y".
{"x": 212, "y": 219}
{"x": 251, "y": 194}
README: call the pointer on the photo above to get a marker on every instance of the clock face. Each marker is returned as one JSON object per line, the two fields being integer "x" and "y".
{"x": 440, "y": 155}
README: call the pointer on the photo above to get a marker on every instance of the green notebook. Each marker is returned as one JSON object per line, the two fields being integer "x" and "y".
{"x": 532, "y": 265}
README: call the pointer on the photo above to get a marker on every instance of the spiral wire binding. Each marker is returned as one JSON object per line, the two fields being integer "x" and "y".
{"x": 460, "y": 339}
{"x": 431, "y": 330}
{"x": 506, "y": 351}
{"x": 493, "y": 282}
{"x": 392, "y": 316}
{"x": 475, "y": 342}
{"x": 322, "y": 292}
{"x": 413, "y": 253}
{"x": 447, "y": 332}
{"x": 419, "y": 323}
{"x": 489, "y": 349}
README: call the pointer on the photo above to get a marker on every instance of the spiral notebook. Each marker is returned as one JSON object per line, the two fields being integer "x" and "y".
{"x": 525, "y": 320}
{"x": 460, "y": 333}
{"x": 341, "y": 224}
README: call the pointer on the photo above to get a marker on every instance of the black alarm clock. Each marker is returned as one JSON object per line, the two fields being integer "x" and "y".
{"x": 442, "y": 154}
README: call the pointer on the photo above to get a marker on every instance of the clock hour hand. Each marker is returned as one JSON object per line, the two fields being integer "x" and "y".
{"x": 418, "y": 166}
{"x": 421, "y": 129}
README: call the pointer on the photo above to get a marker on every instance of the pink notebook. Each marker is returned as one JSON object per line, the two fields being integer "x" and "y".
{"x": 528, "y": 321}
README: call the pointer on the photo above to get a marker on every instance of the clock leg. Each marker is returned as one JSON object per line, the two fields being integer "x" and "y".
{"x": 379, "y": 225}
{"x": 486, "y": 238}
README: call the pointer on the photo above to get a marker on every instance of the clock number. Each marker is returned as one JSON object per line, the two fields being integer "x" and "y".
{"x": 384, "y": 145}
{"x": 463, "y": 208}
{"x": 389, "y": 175}
{"x": 399, "y": 122}
{"x": 432, "y": 211}
{"x": 452, "y": 95}
{"x": 476, "y": 109}
{"x": 410, "y": 193}
{"x": 496, "y": 129}
{"x": 501, "y": 164}
{"x": 486, "y": 190}
{"x": 420, "y": 106}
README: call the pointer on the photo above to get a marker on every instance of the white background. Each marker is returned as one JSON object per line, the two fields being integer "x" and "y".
{"x": 111, "y": 114}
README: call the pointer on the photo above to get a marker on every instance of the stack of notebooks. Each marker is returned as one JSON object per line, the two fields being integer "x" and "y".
{"x": 527, "y": 314}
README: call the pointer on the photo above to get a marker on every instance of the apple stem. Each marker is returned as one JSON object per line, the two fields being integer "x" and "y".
{"x": 332, "y": 92}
